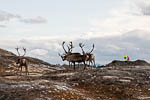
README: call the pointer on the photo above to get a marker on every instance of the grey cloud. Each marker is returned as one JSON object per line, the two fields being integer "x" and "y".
{"x": 5, "y": 16}
{"x": 37, "y": 20}
{"x": 146, "y": 11}
{"x": 134, "y": 44}
{"x": 3, "y": 26}
{"x": 144, "y": 6}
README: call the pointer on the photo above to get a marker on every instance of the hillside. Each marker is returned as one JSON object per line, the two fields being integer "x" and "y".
{"x": 7, "y": 58}
{"x": 117, "y": 80}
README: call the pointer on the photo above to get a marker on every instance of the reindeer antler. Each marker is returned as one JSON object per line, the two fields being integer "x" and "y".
{"x": 59, "y": 54}
{"x": 82, "y": 45}
{"x": 92, "y": 49}
{"x": 17, "y": 50}
{"x": 70, "y": 47}
{"x": 24, "y": 49}
{"x": 64, "y": 47}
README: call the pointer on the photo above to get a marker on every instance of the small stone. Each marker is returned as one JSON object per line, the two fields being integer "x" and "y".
{"x": 39, "y": 99}
{"x": 47, "y": 98}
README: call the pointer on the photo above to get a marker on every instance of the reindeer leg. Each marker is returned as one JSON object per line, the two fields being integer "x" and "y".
{"x": 94, "y": 63}
{"x": 69, "y": 63}
{"x": 17, "y": 70}
{"x": 84, "y": 65}
{"x": 21, "y": 70}
{"x": 26, "y": 68}
{"x": 89, "y": 63}
{"x": 74, "y": 65}
{"x": 78, "y": 66}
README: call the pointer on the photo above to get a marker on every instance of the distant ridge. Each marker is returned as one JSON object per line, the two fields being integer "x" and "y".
{"x": 128, "y": 63}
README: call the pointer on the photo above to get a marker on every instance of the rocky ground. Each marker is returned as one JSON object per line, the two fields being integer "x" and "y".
{"x": 116, "y": 81}
{"x": 61, "y": 83}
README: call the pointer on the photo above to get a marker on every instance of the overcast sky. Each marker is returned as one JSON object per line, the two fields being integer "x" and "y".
{"x": 116, "y": 27}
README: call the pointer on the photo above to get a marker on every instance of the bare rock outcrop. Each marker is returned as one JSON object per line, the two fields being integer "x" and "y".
{"x": 128, "y": 63}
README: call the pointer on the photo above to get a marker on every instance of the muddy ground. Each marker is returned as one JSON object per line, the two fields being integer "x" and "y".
{"x": 63, "y": 83}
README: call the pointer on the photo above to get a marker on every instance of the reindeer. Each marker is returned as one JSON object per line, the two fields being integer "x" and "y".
{"x": 73, "y": 57}
{"x": 69, "y": 52}
{"x": 21, "y": 61}
{"x": 91, "y": 56}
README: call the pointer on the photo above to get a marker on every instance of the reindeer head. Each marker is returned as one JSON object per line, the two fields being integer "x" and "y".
{"x": 18, "y": 61}
{"x": 63, "y": 57}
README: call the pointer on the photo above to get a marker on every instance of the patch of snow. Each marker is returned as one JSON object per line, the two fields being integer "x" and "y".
{"x": 65, "y": 74}
{"x": 47, "y": 67}
{"x": 28, "y": 86}
{"x": 35, "y": 75}
{"x": 54, "y": 68}
{"x": 131, "y": 78}
{"x": 126, "y": 81}
{"x": 45, "y": 87}
{"x": 62, "y": 87}
{"x": 110, "y": 77}
{"x": 143, "y": 98}
{"x": 40, "y": 81}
